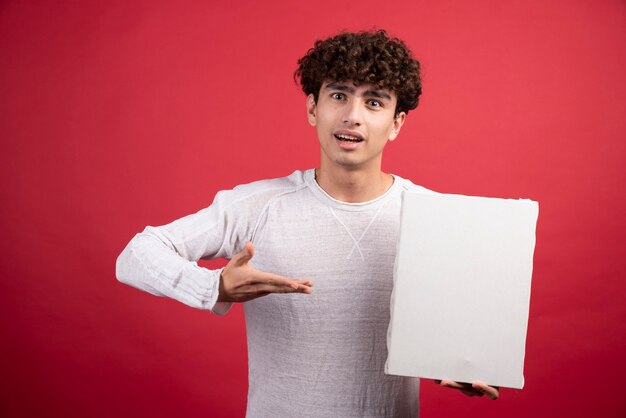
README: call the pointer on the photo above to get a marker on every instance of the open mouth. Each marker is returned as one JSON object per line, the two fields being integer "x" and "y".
{"x": 349, "y": 138}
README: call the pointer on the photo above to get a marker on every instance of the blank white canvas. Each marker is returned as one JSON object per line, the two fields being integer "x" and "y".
{"x": 459, "y": 307}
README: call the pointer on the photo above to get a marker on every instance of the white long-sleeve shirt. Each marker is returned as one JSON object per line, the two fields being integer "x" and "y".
{"x": 317, "y": 355}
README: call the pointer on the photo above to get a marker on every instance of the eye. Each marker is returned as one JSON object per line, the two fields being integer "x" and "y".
{"x": 374, "y": 103}
{"x": 338, "y": 96}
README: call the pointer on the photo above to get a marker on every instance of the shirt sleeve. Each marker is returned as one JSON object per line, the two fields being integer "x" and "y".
{"x": 163, "y": 260}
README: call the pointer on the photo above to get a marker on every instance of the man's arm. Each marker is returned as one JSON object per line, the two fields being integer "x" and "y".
{"x": 163, "y": 260}
{"x": 150, "y": 265}
{"x": 151, "y": 262}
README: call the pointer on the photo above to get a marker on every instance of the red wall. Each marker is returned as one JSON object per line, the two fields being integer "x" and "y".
{"x": 132, "y": 113}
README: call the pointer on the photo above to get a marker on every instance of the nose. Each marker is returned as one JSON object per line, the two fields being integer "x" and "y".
{"x": 353, "y": 114}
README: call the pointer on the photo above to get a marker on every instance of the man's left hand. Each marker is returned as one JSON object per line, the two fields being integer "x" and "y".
{"x": 472, "y": 389}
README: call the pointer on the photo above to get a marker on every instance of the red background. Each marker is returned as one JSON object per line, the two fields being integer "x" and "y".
{"x": 119, "y": 114}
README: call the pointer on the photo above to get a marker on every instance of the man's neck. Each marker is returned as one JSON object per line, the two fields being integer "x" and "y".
{"x": 353, "y": 186}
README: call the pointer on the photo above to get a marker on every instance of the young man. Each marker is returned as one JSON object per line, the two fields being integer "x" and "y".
{"x": 325, "y": 238}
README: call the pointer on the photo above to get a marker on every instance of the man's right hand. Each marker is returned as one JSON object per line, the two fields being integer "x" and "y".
{"x": 240, "y": 282}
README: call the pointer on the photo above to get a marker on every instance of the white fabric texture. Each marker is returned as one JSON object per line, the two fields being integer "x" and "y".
{"x": 317, "y": 355}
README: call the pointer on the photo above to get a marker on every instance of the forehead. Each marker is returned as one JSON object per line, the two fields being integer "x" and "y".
{"x": 363, "y": 89}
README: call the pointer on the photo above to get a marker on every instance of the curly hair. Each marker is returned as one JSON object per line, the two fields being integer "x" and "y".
{"x": 363, "y": 58}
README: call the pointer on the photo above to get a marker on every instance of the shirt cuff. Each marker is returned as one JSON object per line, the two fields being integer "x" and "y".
{"x": 219, "y": 308}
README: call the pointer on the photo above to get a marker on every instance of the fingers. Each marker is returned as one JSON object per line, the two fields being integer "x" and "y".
{"x": 303, "y": 286}
{"x": 266, "y": 289}
{"x": 465, "y": 388}
{"x": 473, "y": 389}
{"x": 459, "y": 386}
{"x": 490, "y": 391}
{"x": 274, "y": 283}
{"x": 249, "y": 250}
{"x": 244, "y": 255}
{"x": 452, "y": 384}
{"x": 239, "y": 281}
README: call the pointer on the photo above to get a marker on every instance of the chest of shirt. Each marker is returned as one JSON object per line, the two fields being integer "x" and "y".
{"x": 323, "y": 243}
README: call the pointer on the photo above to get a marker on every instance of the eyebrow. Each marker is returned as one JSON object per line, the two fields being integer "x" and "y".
{"x": 379, "y": 94}
{"x": 340, "y": 87}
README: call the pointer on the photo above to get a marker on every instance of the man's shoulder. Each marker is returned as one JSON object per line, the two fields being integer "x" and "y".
{"x": 409, "y": 186}
{"x": 294, "y": 181}
{"x": 263, "y": 190}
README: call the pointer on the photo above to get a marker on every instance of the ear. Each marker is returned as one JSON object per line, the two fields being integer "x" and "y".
{"x": 311, "y": 110}
{"x": 398, "y": 121}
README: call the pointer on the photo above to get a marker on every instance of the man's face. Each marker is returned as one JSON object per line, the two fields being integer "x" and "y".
{"x": 354, "y": 123}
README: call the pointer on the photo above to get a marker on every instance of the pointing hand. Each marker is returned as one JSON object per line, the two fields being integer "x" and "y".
{"x": 239, "y": 282}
